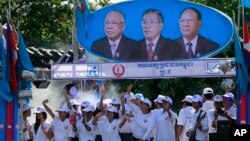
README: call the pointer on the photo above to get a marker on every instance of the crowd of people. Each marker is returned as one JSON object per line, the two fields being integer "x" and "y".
{"x": 130, "y": 118}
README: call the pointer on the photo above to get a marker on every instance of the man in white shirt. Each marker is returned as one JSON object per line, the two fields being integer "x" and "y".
{"x": 229, "y": 108}
{"x": 208, "y": 102}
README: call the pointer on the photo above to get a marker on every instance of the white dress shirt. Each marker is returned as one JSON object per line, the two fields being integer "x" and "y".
{"x": 62, "y": 129}
{"x": 39, "y": 135}
{"x": 84, "y": 134}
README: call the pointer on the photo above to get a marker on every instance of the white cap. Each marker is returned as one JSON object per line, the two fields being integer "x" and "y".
{"x": 208, "y": 91}
{"x": 196, "y": 98}
{"x": 89, "y": 108}
{"x": 4, "y": 26}
{"x": 26, "y": 107}
{"x": 112, "y": 109}
{"x": 159, "y": 98}
{"x": 116, "y": 101}
{"x": 168, "y": 99}
{"x": 147, "y": 101}
{"x": 40, "y": 109}
{"x": 139, "y": 96}
{"x": 85, "y": 103}
{"x": 63, "y": 109}
{"x": 188, "y": 98}
{"x": 229, "y": 95}
{"x": 74, "y": 102}
{"x": 217, "y": 98}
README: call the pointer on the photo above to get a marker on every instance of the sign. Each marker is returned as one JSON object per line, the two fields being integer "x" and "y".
{"x": 123, "y": 31}
{"x": 150, "y": 70}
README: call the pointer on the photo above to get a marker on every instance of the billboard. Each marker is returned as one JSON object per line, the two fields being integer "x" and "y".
{"x": 153, "y": 30}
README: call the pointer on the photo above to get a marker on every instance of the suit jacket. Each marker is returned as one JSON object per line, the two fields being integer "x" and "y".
{"x": 203, "y": 46}
{"x": 165, "y": 49}
{"x": 126, "y": 49}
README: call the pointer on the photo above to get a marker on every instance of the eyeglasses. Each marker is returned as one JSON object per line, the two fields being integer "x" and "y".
{"x": 150, "y": 22}
{"x": 113, "y": 23}
{"x": 187, "y": 21}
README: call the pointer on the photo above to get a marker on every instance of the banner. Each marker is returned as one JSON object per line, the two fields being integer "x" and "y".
{"x": 144, "y": 70}
{"x": 152, "y": 30}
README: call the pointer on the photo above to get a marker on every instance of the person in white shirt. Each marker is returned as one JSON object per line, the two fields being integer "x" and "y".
{"x": 109, "y": 124}
{"x": 208, "y": 102}
{"x": 164, "y": 122}
{"x": 24, "y": 123}
{"x": 229, "y": 107}
{"x": 184, "y": 121}
{"x": 41, "y": 130}
{"x": 62, "y": 129}
{"x": 158, "y": 101}
{"x": 84, "y": 126}
{"x": 199, "y": 120}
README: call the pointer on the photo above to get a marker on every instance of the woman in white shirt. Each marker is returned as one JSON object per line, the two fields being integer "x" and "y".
{"x": 41, "y": 130}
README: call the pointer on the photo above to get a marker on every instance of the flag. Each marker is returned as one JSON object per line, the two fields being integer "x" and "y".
{"x": 242, "y": 83}
{"x": 11, "y": 60}
{"x": 246, "y": 42}
{"x": 4, "y": 88}
{"x": 24, "y": 61}
{"x": 245, "y": 3}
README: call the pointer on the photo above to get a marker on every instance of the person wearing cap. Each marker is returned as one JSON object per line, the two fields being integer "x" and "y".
{"x": 41, "y": 130}
{"x": 184, "y": 120}
{"x": 24, "y": 123}
{"x": 109, "y": 124}
{"x": 62, "y": 128}
{"x": 164, "y": 121}
{"x": 143, "y": 119}
{"x": 215, "y": 114}
{"x": 199, "y": 120}
{"x": 208, "y": 102}
{"x": 158, "y": 101}
{"x": 138, "y": 98}
{"x": 84, "y": 126}
{"x": 228, "y": 106}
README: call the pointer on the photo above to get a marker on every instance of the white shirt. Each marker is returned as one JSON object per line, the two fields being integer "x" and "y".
{"x": 84, "y": 134}
{"x": 231, "y": 112}
{"x": 165, "y": 126}
{"x": 109, "y": 131}
{"x": 201, "y": 135}
{"x": 185, "y": 119}
{"x": 25, "y": 124}
{"x": 62, "y": 129}
{"x": 128, "y": 127}
{"x": 208, "y": 105}
{"x": 39, "y": 135}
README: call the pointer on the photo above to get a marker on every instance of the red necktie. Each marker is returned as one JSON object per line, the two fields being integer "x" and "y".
{"x": 150, "y": 51}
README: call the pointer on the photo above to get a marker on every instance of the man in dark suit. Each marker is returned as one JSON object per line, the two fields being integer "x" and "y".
{"x": 115, "y": 45}
{"x": 155, "y": 47}
{"x": 194, "y": 44}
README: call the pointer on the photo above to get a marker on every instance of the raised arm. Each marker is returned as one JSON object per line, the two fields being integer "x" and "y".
{"x": 48, "y": 108}
{"x": 65, "y": 94}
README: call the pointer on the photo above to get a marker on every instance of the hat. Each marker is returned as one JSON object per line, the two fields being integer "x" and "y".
{"x": 74, "y": 102}
{"x": 217, "y": 98}
{"x": 112, "y": 109}
{"x": 116, "y": 101}
{"x": 139, "y": 96}
{"x": 40, "y": 109}
{"x": 85, "y": 103}
{"x": 89, "y": 108}
{"x": 26, "y": 107}
{"x": 196, "y": 98}
{"x": 188, "y": 98}
{"x": 147, "y": 101}
{"x": 208, "y": 91}
{"x": 63, "y": 109}
{"x": 4, "y": 26}
{"x": 229, "y": 95}
{"x": 168, "y": 99}
{"x": 159, "y": 98}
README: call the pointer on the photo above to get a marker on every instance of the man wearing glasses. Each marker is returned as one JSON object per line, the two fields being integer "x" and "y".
{"x": 155, "y": 47}
{"x": 194, "y": 44}
{"x": 115, "y": 45}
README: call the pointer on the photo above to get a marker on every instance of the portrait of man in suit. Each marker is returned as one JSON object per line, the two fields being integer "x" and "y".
{"x": 115, "y": 45}
{"x": 155, "y": 47}
{"x": 195, "y": 44}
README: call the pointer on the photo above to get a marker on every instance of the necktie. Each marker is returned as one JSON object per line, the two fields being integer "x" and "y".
{"x": 113, "y": 49}
{"x": 190, "y": 52}
{"x": 150, "y": 51}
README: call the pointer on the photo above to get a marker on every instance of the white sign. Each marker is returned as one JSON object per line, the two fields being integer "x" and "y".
{"x": 144, "y": 70}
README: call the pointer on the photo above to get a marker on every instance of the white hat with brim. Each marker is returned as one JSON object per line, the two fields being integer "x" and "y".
{"x": 159, "y": 98}
{"x": 229, "y": 95}
{"x": 112, "y": 109}
{"x": 74, "y": 102}
{"x": 85, "y": 103}
{"x": 147, "y": 101}
{"x": 139, "y": 96}
{"x": 208, "y": 91}
{"x": 168, "y": 99}
{"x": 63, "y": 109}
{"x": 217, "y": 98}
{"x": 89, "y": 108}
{"x": 26, "y": 107}
{"x": 188, "y": 98}
{"x": 197, "y": 98}
{"x": 116, "y": 101}
{"x": 39, "y": 110}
